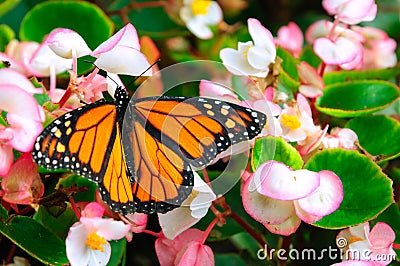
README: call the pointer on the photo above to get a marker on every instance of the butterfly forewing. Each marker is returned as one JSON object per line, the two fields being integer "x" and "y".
{"x": 78, "y": 140}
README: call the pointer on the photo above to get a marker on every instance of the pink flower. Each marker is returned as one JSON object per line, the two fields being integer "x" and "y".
{"x": 24, "y": 118}
{"x": 88, "y": 88}
{"x": 341, "y": 138}
{"x": 186, "y": 249}
{"x": 19, "y": 55}
{"x": 87, "y": 240}
{"x": 297, "y": 123}
{"x": 291, "y": 38}
{"x": 253, "y": 57}
{"x": 351, "y": 11}
{"x": 67, "y": 43}
{"x": 312, "y": 83}
{"x": 379, "y": 49}
{"x": 336, "y": 52}
{"x": 22, "y": 184}
{"x": 138, "y": 221}
{"x": 375, "y": 246}
{"x": 280, "y": 198}
{"x": 113, "y": 53}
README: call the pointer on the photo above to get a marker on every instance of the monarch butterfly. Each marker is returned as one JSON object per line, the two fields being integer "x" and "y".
{"x": 150, "y": 168}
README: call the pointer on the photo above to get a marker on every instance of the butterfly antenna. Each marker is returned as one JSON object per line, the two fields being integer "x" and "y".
{"x": 103, "y": 73}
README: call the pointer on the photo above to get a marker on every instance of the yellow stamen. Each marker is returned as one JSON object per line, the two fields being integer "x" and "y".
{"x": 355, "y": 239}
{"x": 290, "y": 121}
{"x": 95, "y": 242}
{"x": 199, "y": 7}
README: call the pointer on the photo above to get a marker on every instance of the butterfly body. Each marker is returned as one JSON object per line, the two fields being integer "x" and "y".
{"x": 141, "y": 153}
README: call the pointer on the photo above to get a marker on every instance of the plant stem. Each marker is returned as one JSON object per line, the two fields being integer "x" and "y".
{"x": 208, "y": 229}
{"x": 152, "y": 233}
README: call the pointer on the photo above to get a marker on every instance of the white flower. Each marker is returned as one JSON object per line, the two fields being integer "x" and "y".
{"x": 192, "y": 210}
{"x": 87, "y": 241}
{"x": 253, "y": 57}
{"x": 198, "y": 15}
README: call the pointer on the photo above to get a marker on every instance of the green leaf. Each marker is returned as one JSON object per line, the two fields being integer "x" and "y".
{"x": 118, "y": 249}
{"x": 6, "y": 35}
{"x": 310, "y": 57}
{"x": 7, "y": 5}
{"x": 35, "y": 239}
{"x": 367, "y": 190}
{"x": 378, "y": 135}
{"x": 58, "y": 225}
{"x": 354, "y": 75}
{"x": 288, "y": 75}
{"x": 274, "y": 148}
{"x": 151, "y": 21}
{"x": 3, "y": 214}
{"x": 229, "y": 260}
{"x": 289, "y": 63}
{"x": 95, "y": 26}
{"x": 357, "y": 98}
{"x": 87, "y": 196}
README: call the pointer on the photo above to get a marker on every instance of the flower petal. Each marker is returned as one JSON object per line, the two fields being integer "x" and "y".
{"x": 77, "y": 251}
{"x": 99, "y": 257}
{"x": 9, "y": 76}
{"x": 124, "y": 60}
{"x": 6, "y": 158}
{"x": 335, "y": 53}
{"x": 261, "y": 36}
{"x": 381, "y": 236}
{"x": 196, "y": 254}
{"x": 16, "y": 101}
{"x": 24, "y": 130}
{"x": 326, "y": 198}
{"x": 259, "y": 58}
{"x": 44, "y": 59}
{"x": 66, "y": 42}
{"x": 127, "y": 36}
{"x": 264, "y": 209}
{"x": 286, "y": 228}
{"x": 199, "y": 28}
{"x": 304, "y": 216}
{"x": 276, "y": 180}
{"x": 176, "y": 221}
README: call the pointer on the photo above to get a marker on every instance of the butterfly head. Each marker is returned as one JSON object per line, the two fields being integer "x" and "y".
{"x": 121, "y": 99}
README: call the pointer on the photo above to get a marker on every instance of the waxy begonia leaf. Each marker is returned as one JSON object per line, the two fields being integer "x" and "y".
{"x": 308, "y": 55}
{"x": 80, "y": 182}
{"x": 3, "y": 213}
{"x": 378, "y": 135}
{"x": 58, "y": 223}
{"x": 353, "y": 75}
{"x": 35, "y": 239}
{"x": 367, "y": 190}
{"x": 229, "y": 259}
{"x": 118, "y": 248}
{"x": 288, "y": 75}
{"x": 83, "y": 17}
{"x": 357, "y": 98}
{"x": 6, "y": 35}
{"x": 273, "y": 148}
{"x": 7, "y": 5}
{"x": 151, "y": 21}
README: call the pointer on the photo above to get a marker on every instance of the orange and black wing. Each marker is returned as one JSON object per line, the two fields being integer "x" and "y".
{"x": 163, "y": 137}
{"x": 87, "y": 141}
